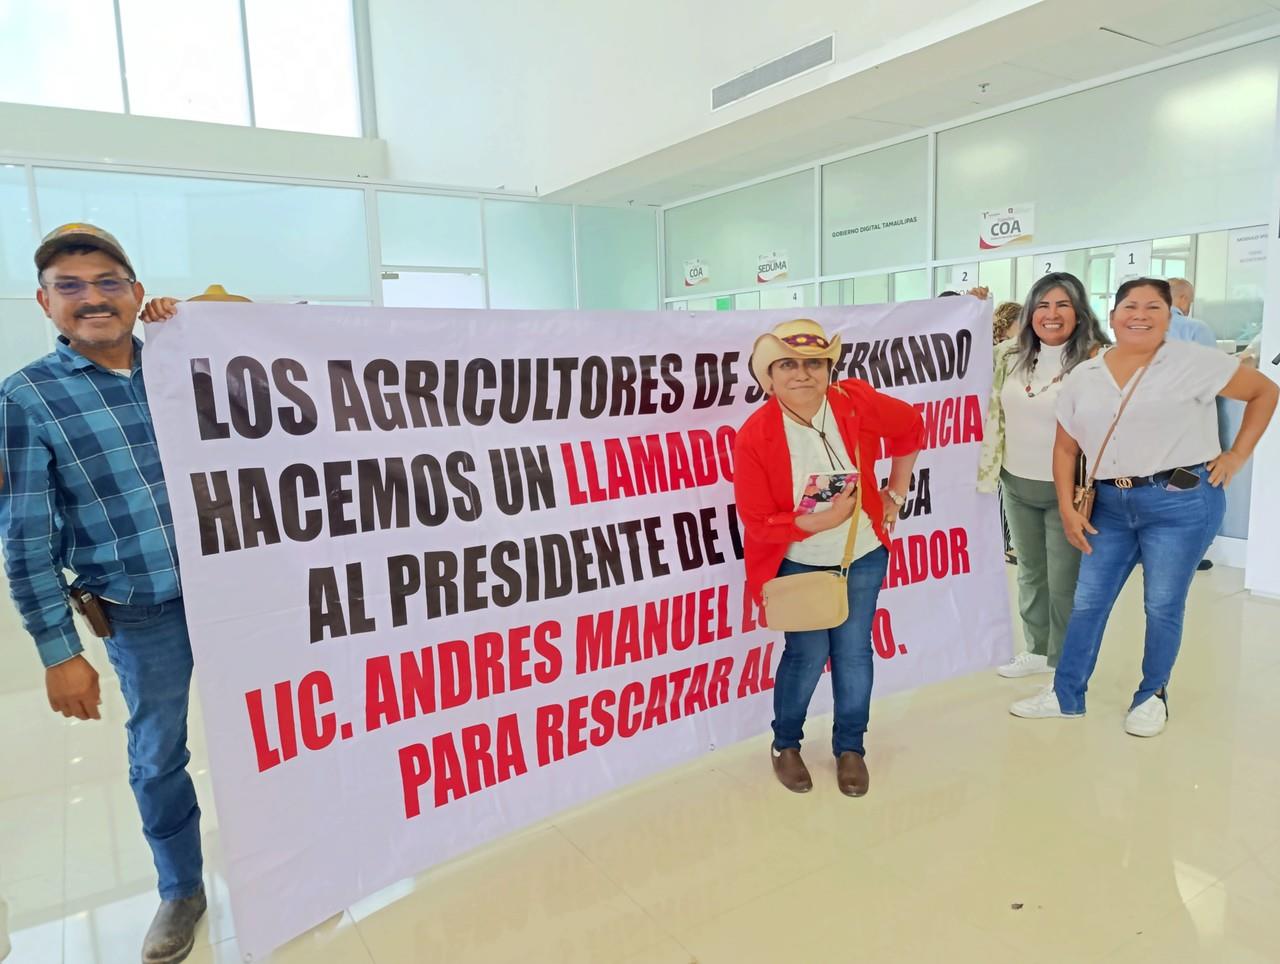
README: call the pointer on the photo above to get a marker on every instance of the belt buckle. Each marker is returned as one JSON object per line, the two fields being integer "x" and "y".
{"x": 1124, "y": 482}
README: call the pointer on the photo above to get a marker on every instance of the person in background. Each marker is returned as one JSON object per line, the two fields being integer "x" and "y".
{"x": 1182, "y": 327}
{"x": 1059, "y": 331}
{"x": 1004, "y": 321}
{"x": 84, "y": 490}
{"x": 981, "y": 292}
{"x": 809, "y": 426}
{"x": 1160, "y": 482}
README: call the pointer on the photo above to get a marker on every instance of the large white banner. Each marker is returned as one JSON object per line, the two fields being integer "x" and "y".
{"x": 450, "y": 572}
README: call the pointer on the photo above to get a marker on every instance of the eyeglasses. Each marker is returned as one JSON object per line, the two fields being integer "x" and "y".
{"x": 71, "y": 287}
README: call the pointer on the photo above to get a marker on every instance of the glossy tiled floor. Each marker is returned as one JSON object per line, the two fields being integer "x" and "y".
{"x": 984, "y": 839}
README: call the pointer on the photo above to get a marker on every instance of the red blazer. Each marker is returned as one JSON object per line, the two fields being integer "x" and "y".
{"x": 762, "y": 481}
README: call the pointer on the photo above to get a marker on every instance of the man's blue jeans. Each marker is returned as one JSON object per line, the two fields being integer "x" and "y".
{"x": 848, "y": 646}
{"x": 151, "y": 653}
{"x": 1166, "y": 530}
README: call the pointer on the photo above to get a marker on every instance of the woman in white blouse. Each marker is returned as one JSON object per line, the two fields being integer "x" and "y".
{"x": 1060, "y": 332}
{"x": 1160, "y": 482}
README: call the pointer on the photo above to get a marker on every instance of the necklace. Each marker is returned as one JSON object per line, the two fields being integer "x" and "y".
{"x": 822, "y": 433}
{"x": 1031, "y": 374}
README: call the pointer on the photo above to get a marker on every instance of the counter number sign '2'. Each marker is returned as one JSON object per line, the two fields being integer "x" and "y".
{"x": 1006, "y": 225}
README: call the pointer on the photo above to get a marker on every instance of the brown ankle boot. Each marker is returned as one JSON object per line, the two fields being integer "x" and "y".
{"x": 791, "y": 771}
{"x": 851, "y": 774}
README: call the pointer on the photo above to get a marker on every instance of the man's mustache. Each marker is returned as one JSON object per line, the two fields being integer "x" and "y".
{"x": 94, "y": 310}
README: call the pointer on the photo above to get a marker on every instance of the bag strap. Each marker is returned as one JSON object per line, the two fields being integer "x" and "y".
{"x": 857, "y": 511}
{"x": 1124, "y": 402}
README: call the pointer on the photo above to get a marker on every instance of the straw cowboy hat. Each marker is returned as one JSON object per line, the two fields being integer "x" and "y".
{"x": 800, "y": 338}
{"x": 217, "y": 293}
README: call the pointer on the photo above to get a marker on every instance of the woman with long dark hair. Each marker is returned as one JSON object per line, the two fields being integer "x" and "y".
{"x": 1059, "y": 331}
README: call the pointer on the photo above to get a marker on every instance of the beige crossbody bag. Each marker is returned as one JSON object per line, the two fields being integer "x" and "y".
{"x": 1084, "y": 494}
{"x": 814, "y": 600}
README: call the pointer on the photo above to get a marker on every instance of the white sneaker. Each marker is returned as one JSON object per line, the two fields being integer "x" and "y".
{"x": 1148, "y": 718}
{"x": 1025, "y": 664}
{"x": 1042, "y": 706}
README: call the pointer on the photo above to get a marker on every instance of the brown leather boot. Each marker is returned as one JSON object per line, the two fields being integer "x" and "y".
{"x": 791, "y": 771}
{"x": 852, "y": 775}
{"x": 173, "y": 931}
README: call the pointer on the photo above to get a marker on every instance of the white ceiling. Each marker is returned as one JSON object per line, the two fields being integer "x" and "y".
{"x": 1050, "y": 46}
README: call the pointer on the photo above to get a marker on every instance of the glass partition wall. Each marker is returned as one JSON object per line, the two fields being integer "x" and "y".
{"x": 286, "y": 241}
{"x": 910, "y": 218}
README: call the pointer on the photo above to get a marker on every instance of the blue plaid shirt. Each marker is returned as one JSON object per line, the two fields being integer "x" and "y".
{"x": 82, "y": 489}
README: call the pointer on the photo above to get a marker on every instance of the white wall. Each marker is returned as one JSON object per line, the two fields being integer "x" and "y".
{"x": 525, "y": 95}
{"x": 1150, "y": 156}
{"x": 1262, "y": 568}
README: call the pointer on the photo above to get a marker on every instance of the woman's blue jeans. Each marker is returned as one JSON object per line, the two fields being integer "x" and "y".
{"x": 1168, "y": 531}
{"x": 847, "y": 646}
{"x": 151, "y": 652}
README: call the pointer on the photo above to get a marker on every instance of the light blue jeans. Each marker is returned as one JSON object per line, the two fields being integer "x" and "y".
{"x": 151, "y": 653}
{"x": 1166, "y": 530}
{"x": 848, "y": 646}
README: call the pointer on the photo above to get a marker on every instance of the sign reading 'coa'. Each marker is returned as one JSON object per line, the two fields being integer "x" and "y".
{"x": 1006, "y": 226}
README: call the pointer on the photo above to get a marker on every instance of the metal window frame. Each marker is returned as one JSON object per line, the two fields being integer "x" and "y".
{"x": 362, "y": 43}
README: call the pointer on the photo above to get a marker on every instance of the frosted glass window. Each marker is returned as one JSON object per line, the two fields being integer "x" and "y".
{"x": 998, "y": 277}
{"x": 1172, "y": 257}
{"x": 60, "y": 53}
{"x": 793, "y": 296}
{"x": 1100, "y": 271}
{"x": 185, "y": 60}
{"x": 873, "y": 209}
{"x": 872, "y": 290}
{"x": 911, "y": 285}
{"x": 731, "y": 232}
{"x": 25, "y": 333}
{"x": 432, "y": 289}
{"x": 530, "y": 254}
{"x": 1230, "y": 280}
{"x": 617, "y": 258}
{"x": 270, "y": 242}
{"x": 429, "y": 230}
{"x": 1077, "y": 262}
{"x": 1203, "y": 132}
{"x": 837, "y": 292}
{"x": 303, "y": 58}
{"x": 17, "y": 236}
{"x": 1181, "y": 244}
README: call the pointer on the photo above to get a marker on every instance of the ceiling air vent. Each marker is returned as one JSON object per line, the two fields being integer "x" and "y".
{"x": 774, "y": 72}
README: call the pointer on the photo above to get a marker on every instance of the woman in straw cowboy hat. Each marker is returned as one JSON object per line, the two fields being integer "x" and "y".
{"x": 807, "y": 427}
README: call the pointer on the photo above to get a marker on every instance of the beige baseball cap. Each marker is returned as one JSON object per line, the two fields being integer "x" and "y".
{"x": 79, "y": 234}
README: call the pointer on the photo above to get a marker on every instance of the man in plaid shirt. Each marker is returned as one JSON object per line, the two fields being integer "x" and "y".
{"x": 82, "y": 489}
